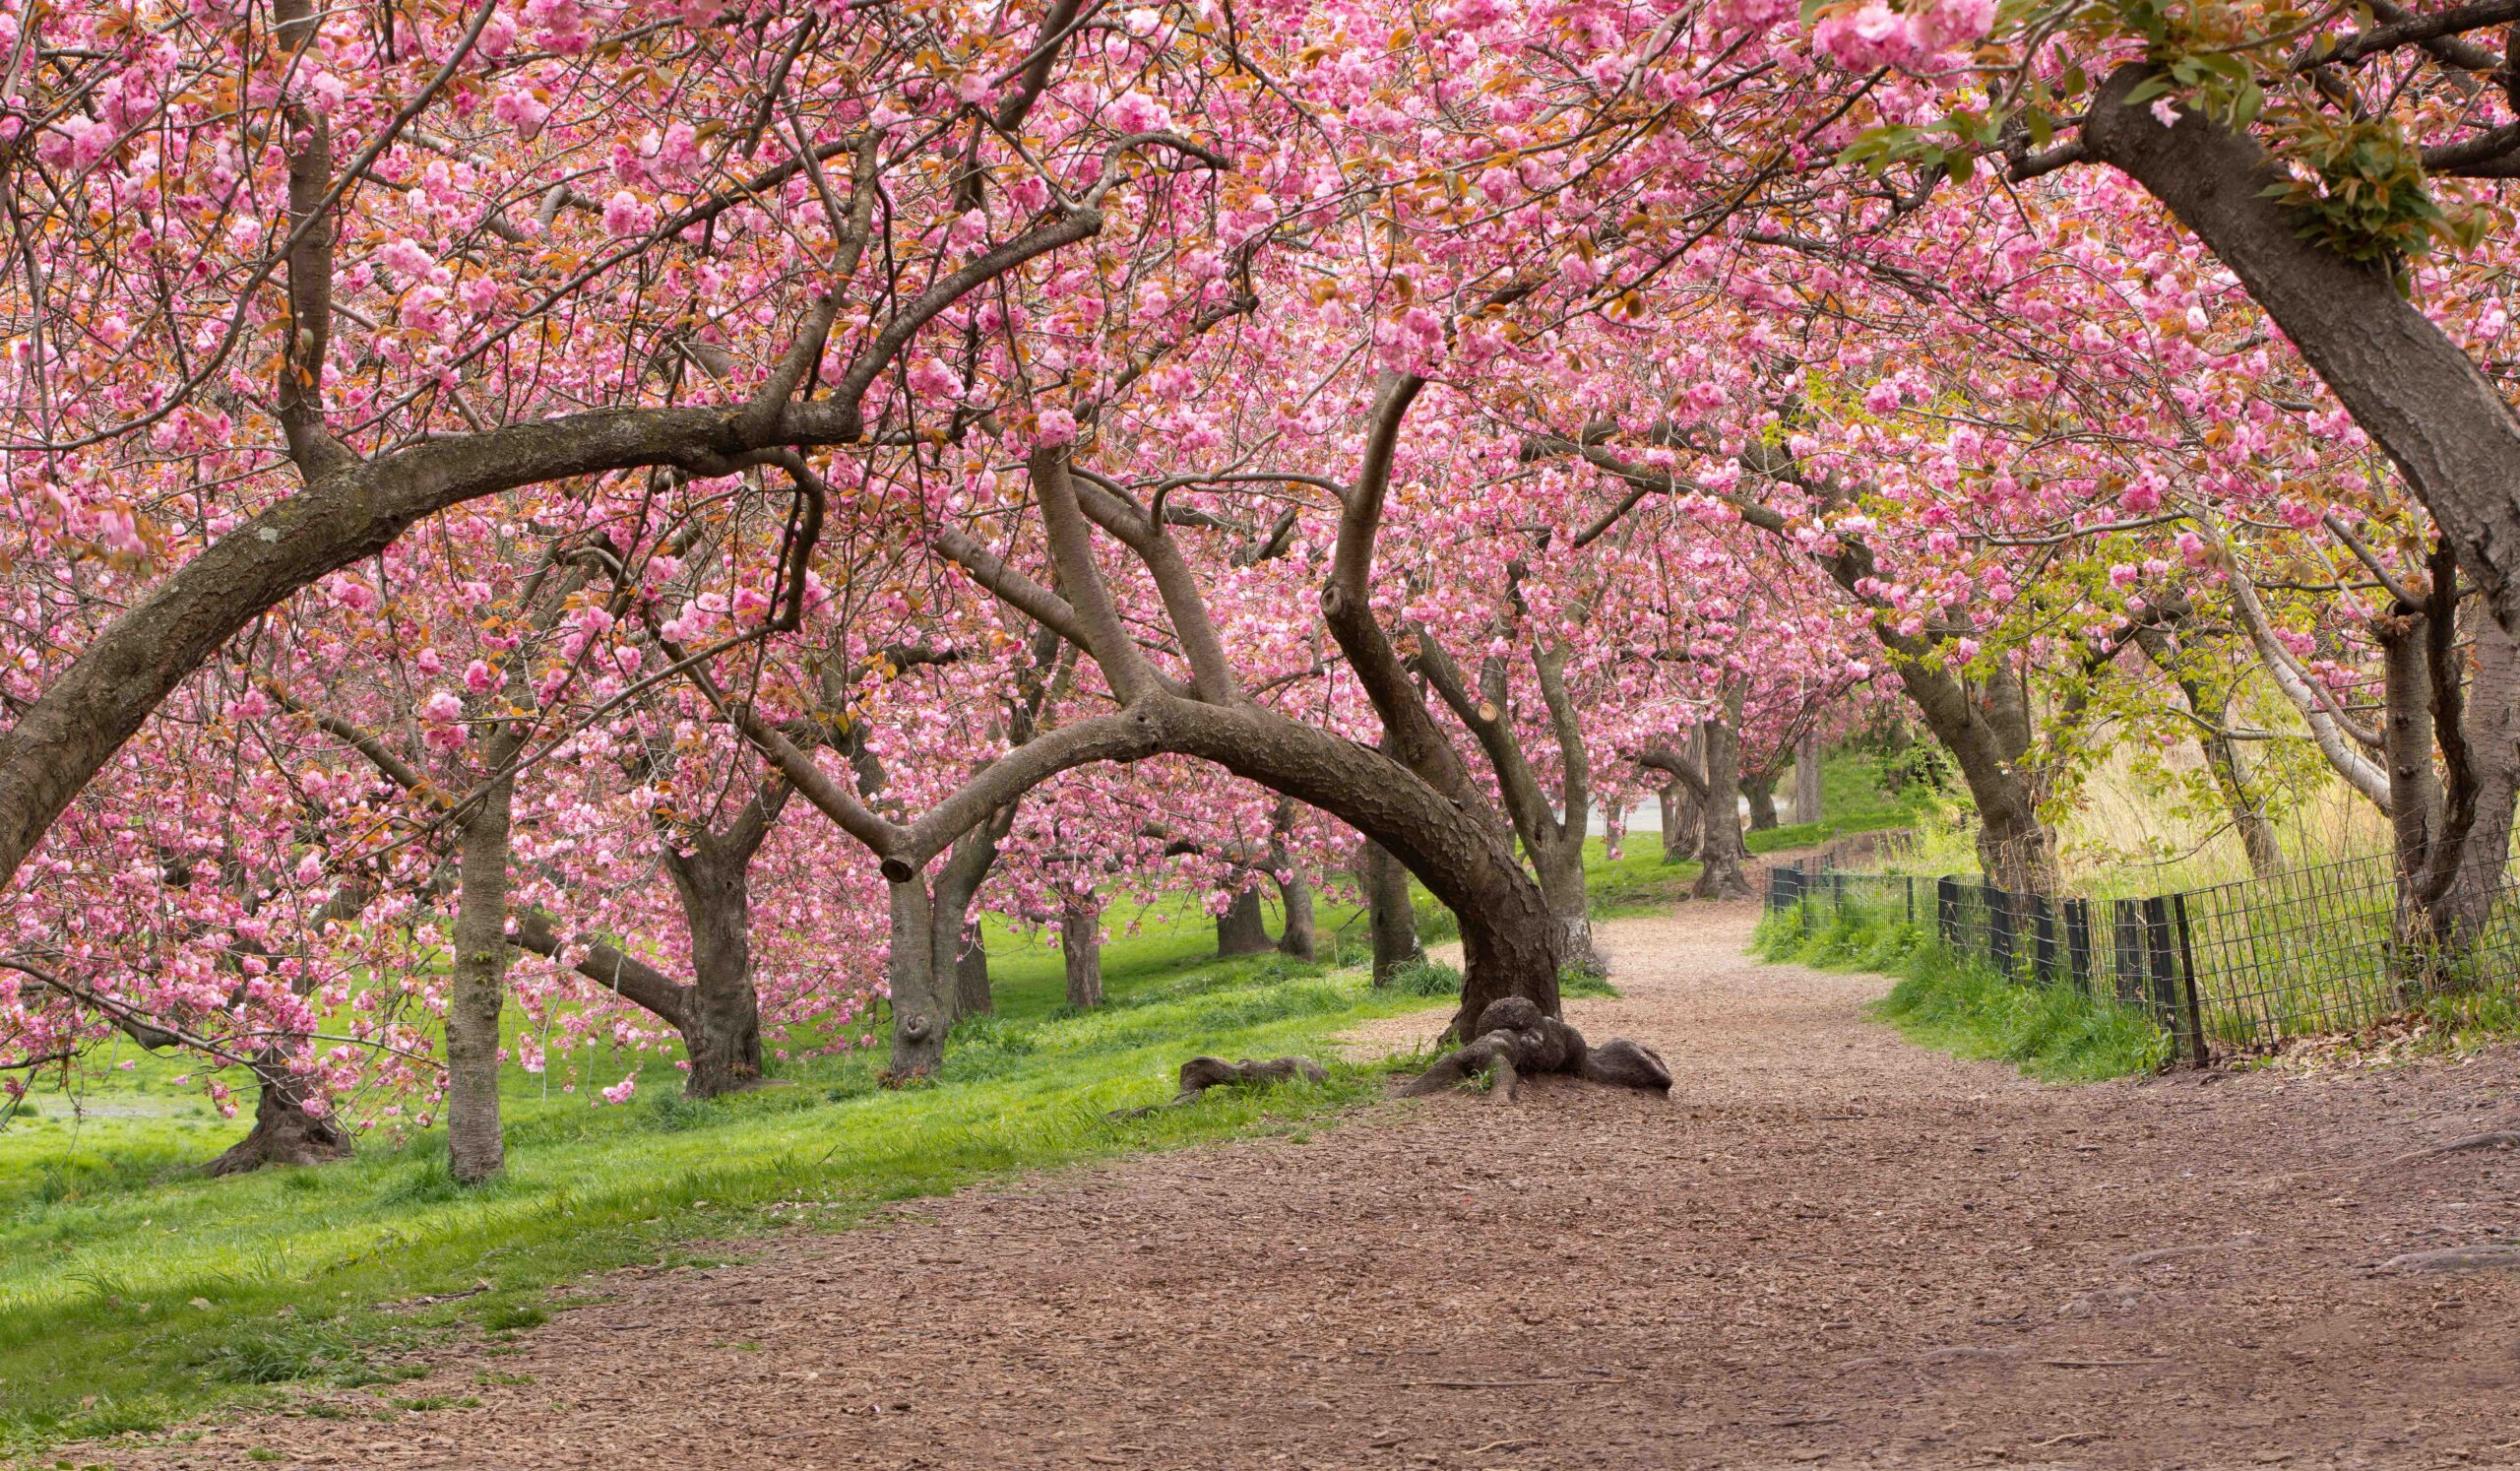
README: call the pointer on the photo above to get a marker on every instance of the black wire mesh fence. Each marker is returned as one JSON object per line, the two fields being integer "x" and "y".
{"x": 2236, "y": 966}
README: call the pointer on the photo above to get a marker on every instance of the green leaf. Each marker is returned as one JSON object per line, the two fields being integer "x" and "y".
{"x": 2145, "y": 91}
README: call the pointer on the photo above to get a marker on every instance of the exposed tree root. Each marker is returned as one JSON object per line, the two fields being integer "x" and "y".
{"x": 1514, "y": 1040}
{"x": 1200, "y": 1074}
{"x": 2497, "y": 1139}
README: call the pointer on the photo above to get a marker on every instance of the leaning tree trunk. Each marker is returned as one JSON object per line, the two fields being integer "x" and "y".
{"x": 722, "y": 1011}
{"x": 1467, "y": 860}
{"x": 476, "y": 989}
{"x": 919, "y": 1018}
{"x": 2419, "y": 395}
{"x": 1242, "y": 929}
{"x": 1389, "y": 914}
{"x": 1806, "y": 779}
{"x": 1081, "y": 949}
{"x": 1987, "y": 735}
{"x": 1721, "y": 850}
{"x": 1761, "y": 790}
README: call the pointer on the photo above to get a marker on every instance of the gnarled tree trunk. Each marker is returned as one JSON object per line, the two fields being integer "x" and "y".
{"x": 283, "y": 1131}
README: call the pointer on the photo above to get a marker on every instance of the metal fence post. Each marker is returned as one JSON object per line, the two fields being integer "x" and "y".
{"x": 1999, "y": 928}
{"x": 1946, "y": 907}
{"x": 1912, "y": 901}
{"x": 2161, "y": 993}
{"x": 2043, "y": 944}
{"x": 2198, "y": 1050}
{"x": 2078, "y": 942}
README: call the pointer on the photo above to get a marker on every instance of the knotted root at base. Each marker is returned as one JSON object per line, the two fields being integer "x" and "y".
{"x": 1515, "y": 1039}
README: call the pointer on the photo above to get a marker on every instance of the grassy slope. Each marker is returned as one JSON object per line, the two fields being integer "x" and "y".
{"x": 1948, "y": 1002}
{"x": 133, "y": 1291}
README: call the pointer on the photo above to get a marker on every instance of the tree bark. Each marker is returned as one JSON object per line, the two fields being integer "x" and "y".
{"x": 1721, "y": 850}
{"x": 1389, "y": 914}
{"x": 1806, "y": 778}
{"x": 1242, "y": 929}
{"x": 1761, "y": 792}
{"x": 1988, "y": 734}
{"x": 1081, "y": 949}
{"x": 960, "y": 953}
{"x": 2423, "y": 400}
{"x": 476, "y": 989}
{"x": 722, "y": 1011}
{"x": 919, "y": 1018}
{"x": 1297, "y": 939}
{"x": 971, "y": 993}
{"x": 2452, "y": 824}
{"x": 283, "y": 1132}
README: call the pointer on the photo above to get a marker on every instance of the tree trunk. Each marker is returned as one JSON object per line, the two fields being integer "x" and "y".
{"x": 1562, "y": 884}
{"x": 1806, "y": 779}
{"x": 2248, "y": 808}
{"x": 1722, "y": 849}
{"x": 910, "y": 969}
{"x": 2465, "y": 883}
{"x": 1297, "y": 939}
{"x": 1761, "y": 790}
{"x": 1081, "y": 949}
{"x": 1988, "y": 734}
{"x": 1464, "y": 856}
{"x": 972, "y": 995}
{"x": 1388, "y": 912}
{"x": 2423, "y": 400}
{"x": 1242, "y": 929}
{"x": 722, "y": 1011}
{"x": 2452, "y": 825}
{"x": 960, "y": 953}
{"x": 476, "y": 989}
{"x": 283, "y": 1132}
{"x": 1667, "y": 800}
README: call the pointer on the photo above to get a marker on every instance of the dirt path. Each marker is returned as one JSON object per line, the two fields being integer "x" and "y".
{"x": 1827, "y": 1248}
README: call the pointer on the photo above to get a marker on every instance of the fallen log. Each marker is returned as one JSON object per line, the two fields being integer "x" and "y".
{"x": 1200, "y": 1074}
{"x": 1514, "y": 1041}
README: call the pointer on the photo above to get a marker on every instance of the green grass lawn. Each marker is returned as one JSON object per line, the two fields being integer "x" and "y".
{"x": 134, "y": 1291}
